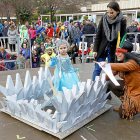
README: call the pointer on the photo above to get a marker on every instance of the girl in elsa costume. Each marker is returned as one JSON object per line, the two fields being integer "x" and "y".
{"x": 64, "y": 75}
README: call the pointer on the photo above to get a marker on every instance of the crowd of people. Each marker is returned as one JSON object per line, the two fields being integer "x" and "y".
{"x": 38, "y": 39}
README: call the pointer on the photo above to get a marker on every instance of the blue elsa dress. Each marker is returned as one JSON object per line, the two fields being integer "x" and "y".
{"x": 64, "y": 74}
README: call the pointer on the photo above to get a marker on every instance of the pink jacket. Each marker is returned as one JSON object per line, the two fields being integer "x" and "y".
{"x": 33, "y": 33}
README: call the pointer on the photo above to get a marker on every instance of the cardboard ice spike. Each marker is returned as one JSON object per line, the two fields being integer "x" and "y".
{"x": 10, "y": 85}
{"x": 4, "y": 91}
{"x": 28, "y": 80}
{"x": 47, "y": 73}
{"x": 18, "y": 84}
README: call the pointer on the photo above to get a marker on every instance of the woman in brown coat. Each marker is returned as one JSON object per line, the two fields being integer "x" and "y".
{"x": 128, "y": 69}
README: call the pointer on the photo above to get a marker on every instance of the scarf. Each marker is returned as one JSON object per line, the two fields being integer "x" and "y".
{"x": 115, "y": 26}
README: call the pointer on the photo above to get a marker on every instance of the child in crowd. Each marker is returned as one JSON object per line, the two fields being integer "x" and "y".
{"x": 64, "y": 75}
{"x": 49, "y": 30}
{"x": 47, "y": 38}
{"x": 74, "y": 51}
{"x": 39, "y": 39}
{"x": 63, "y": 34}
{"x": 49, "y": 44}
{"x": 50, "y": 53}
{"x": 25, "y": 41}
{"x": 90, "y": 52}
{"x": 22, "y": 60}
{"x": 35, "y": 59}
{"x": 9, "y": 65}
{"x": 26, "y": 54}
{"x": 43, "y": 47}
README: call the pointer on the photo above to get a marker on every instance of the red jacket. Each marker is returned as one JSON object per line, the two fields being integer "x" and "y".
{"x": 33, "y": 33}
{"x": 49, "y": 32}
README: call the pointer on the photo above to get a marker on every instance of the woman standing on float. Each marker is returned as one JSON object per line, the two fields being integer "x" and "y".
{"x": 106, "y": 39}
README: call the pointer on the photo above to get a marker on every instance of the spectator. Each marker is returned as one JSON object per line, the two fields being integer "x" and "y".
{"x": 27, "y": 25}
{"x": 26, "y": 54}
{"x": 39, "y": 21}
{"x": 33, "y": 46}
{"x": 88, "y": 29}
{"x": 59, "y": 24}
{"x": 90, "y": 51}
{"x": 22, "y": 60}
{"x": 106, "y": 37}
{"x": 55, "y": 27}
{"x": 9, "y": 65}
{"x": 2, "y": 53}
{"x": 12, "y": 32}
{"x": 32, "y": 34}
{"x": 130, "y": 29}
{"x": 39, "y": 51}
{"x": 49, "y": 31}
{"x": 43, "y": 47}
{"x": 23, "y": 33}
{"x": 1, "y": 40}
{"x": 35, "y": 59}
{"x": 75, "y": 34}
{"x": 39, "y": 39}
{"x": 24, "y": 41}
{"x": 63, "y": 34}
{"x": 49, "y": 44}
{"x": 69, "y": 31}
{"x": 74, "y": 51}
{"x": 19, "y": 26}
{"x": 4, "y": 33}
{"x": 48, "y": 55}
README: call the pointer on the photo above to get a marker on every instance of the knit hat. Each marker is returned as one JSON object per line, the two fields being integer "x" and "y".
{"x": 8, "y": 55}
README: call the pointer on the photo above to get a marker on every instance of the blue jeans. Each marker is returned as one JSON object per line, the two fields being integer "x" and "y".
{"x": 97, "y": 69}
{"x": 76, "y": 41}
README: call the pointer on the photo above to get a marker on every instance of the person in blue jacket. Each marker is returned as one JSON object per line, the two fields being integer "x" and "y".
{"x": 26, "y": 54}
{"x": 9, "y": 65}
{"x": 41, "y": 31}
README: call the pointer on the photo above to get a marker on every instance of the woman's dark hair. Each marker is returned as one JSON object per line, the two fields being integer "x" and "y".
{"x": 114, "y": 5}
{"x": 74, "y": 43}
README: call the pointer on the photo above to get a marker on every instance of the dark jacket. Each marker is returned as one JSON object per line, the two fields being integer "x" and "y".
{"x": 74, "y": 49}
{"x": 88, "y": 29}
{"x": 101, "y": 40}
{"x": 5, "y": 30}
{"x": 39, "y": 51}
{"x": 131, "y": 29}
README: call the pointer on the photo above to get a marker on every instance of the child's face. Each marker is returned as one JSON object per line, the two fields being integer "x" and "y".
{"x": 73, "y": 44}
{"x": 25, "y": 41}
{"x": 63, "y": 49}
{"x": 49, "y": 43}
{"x": 91, "y": 46}
{"x": 49, "y": 51}
{"x": 24, "y": 46}
{"x": 37, "y": 45}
